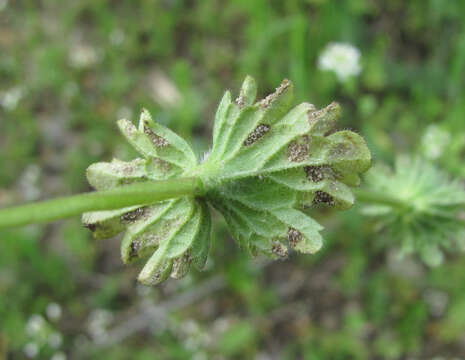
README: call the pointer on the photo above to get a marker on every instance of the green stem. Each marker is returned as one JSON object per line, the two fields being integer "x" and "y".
{"x": 371, "y": 197}
{"x": 65, "y": 207}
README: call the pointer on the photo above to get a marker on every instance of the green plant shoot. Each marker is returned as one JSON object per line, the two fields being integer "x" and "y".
{"x": 268, "y": 164}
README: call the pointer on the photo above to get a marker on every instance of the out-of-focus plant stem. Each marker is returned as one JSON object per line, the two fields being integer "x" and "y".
{"x": 374, "y": 198}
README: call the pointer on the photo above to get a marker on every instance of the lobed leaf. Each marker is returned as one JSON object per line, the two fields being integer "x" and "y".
{"x": 268, "y": 162}
{"x": 153, "y": 140}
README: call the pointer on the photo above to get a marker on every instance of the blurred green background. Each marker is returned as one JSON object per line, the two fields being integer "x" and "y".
{"x": 70, "y": 69}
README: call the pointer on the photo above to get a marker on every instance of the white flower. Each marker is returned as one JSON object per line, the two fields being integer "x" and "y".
{"x": 31, "y": 349}
{"x": 53, "y": 311}
{"x": 58, "y": 356}
{"x": 434, "y": 141}
{"x": 35, "y": 325}
{"x": 55, "y": 340}
{"x": 341, "y": 58}
{"x": 10, "y": 98}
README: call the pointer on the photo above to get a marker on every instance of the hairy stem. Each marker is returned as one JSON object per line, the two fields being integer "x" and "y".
{"x": 65, "y": 207}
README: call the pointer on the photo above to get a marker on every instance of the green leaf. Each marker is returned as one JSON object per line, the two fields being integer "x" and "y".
{"x": 145, "y": 233}
{"x": 425, "y": 218}
{"x": 269, "y": 161}
{"x": 172, "y": 246}
{"x": 106, "y": 224}
{"x": 168, "y": 145}
{"x": 201, "y": 244}
{"x": 104, "y": 175}
{"x": 155, "y": 141}
{"x": 303, "y": 232}
{"x": 248, "y": 92}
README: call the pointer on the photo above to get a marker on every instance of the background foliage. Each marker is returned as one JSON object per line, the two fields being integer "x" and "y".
{"x": 68, "y": 70}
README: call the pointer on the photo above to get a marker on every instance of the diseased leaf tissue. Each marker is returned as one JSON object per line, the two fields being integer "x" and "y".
{"x": 268, "y": 163}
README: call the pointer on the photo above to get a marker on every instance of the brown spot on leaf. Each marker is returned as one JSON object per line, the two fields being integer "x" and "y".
{"x": 325, "y": 118}
{"x": 298, "y": 151}
{"x": 257, "y": 134}
{"x": 313, "y": 116}
{"x": 127, "y": 181}
{"x": 161, "y": 165}
{"x": 91, "y": 227}
{"x": 294, "y": 236}
{"x": 240, "y": 101}
{"x": 127, "y": 169}
{"x": 135, "y": 247}
{"x": 157, "y": 140}
{"x": 132, "y": 216}
{"x": 160, "y": 272}
{"x": 279, "y": 249}
{"x": 129, "y": 128}
{"x": 181, "y": 266}
{"x": 157, "y": 276}
{"x": 266, "y": 102}
{"x": 322, "y": 197}
{"x": 340, "y": 150}
{"x": 315, "y": 173}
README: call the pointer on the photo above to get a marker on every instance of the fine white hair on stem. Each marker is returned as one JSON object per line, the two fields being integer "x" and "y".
{"x": 205, "y": 155}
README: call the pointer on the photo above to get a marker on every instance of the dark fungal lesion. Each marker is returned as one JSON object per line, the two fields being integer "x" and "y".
{"x": 315, "y": 173}
{"x": 91, "y": 226}
{"x": 341, "y": 149}
{"x": 133, "y": 216}
{"x": 157, "y": 140}
{"x": 322, "y": 197}
{"x": 181, "y": 265}
{"x": 279, "y": 250}
{"x": 127, "y": 181}
{"x": 240, "y": 101}
{"x": 157, "y": 275}
{"x": 186, "y": 258}
{"x": 330, "y": 113}
{"x": 159, "y": 164}
{"x": 160, "y": 273}
{"x": 257, "y": 134}
{"x": 134, "y": 249}
{"x": 266, "y": 102}
{"x": 127, "y": 168}
{"x": 298, "y": 150}
{"x": 294, "y": 236}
